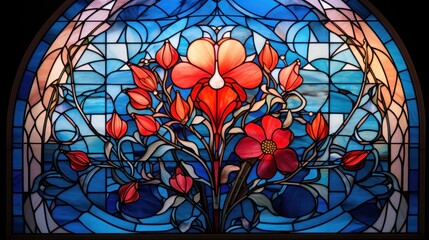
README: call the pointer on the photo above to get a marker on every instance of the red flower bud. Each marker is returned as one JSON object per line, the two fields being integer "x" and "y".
{"x": 144, "y": 78}
{"x": 289, "y": 77}
{"x": 167, "y": 55}
{"x": 180, "y": 109}
{"x": 116, "y": 127}
{"x": 79, "y": 161}
{"x": 318, "y": 129}
{"x": 354, "y": 160}
{"x": 268, "y": 57}
{"x": 146, "y": 124}
{"x": 139, "y": 98}
{"x": 128, "y": 193}
{"x": 180, "y": 182}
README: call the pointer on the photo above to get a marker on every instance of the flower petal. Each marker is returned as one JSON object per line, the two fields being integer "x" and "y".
{"x": 354, "y": 160}
{"x": 128, "y": 193}
{"x": 286, "y": 160}
{"x": 201, "y": 54}
{"x": 255, "y": 131}
{"x": 174, "y": 183}
{"x": 217, "y": 104}
{"x": 247, "y": 75}
{"x": 186, "y": 75}
{"x": 247, "y": 148}
{"x": 116, "y": 127}
{"x": 167, "y": 55}
{"x": 270, "y": 124}
{"x": 180, "y": 109}
{"x": 267, "y": 167}
{"x": 231, "y": 54}
{"x": 268, "y": 57}
{"x": 282, "y": 137}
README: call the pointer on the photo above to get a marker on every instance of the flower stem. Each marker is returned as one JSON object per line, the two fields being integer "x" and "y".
{"x": 236, "y": 189}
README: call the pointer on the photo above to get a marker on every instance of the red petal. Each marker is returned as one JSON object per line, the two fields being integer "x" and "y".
{"x": 267, "y": 167}
{"x": 174, "y": 184}
{"x": 318, "y": 129}
{"x": 286, "y": 160}
{"x": 186, "y": 75}
{"x": 282, "y": 137}
{"x": 217, "y": 104}
{"x": 309, "y": 130}
{"x": 116, "y": 127}
{"x": 146, "y": 124}
{"x": 201, "y": 54}
{"x": 181, "y": 183}
{"x": 247, "y": 148}
{"x": 231, "y": 54}
{"x": 270, "y": 124}
{"x": 268, "y": 57}
{"x": 354, "y": 160}
{"x": 247, "y": 75}
{"x": 180, "y": 109}
{"x": 143, "y": 78}
{"x": 128, "y": 193}
{"x": 255, "y": 131}
{"x": 167, "y": 55}
{"x": 289, "y": 77}
{"x": 79, "y": 161}
{"x": 139, "y": 98}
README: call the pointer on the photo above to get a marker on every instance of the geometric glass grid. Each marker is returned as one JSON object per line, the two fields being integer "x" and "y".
{"x": 216, "y": 117}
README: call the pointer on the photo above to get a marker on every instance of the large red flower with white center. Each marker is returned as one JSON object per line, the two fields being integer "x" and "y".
{"x": 269, "y": 144}
{"x": 218, "y": 74}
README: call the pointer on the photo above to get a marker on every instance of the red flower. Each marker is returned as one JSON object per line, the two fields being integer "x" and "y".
{"x": 289, "y": 77}
{"x": 354, "y": 160}
{"x": 128, "y": 193}
{"x": 269, "y": 144}
{"x": 268, "y": 57}
{"x": 180, "y": 182}
{"x": 139, "y": 98}
{"x": 318, "y": 129}
{"x": 217, "y": 72}
{"x": 167, "y": 55}
{"x": 116, "y": 127}
{"x": 79, "y": 161}
{"x": 146, "y": 124}
{"x": 143, "y": 78}
{"x": 180, "y": 109}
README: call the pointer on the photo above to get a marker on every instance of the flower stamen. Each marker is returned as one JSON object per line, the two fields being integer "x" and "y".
{"x": 268, "y": 146}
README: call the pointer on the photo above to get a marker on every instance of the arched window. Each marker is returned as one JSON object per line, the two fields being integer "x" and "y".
{"x": 216, "y": 117}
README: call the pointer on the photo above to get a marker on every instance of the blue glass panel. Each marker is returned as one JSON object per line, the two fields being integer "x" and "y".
{"x": 37, "y": 55}
{"x": 17, "y": 204}
{"x": 17, "y": 181}
{"x": 413, "y": 226}
{"x": 408, "y": 87}
{"x": 380, "y": 30}
{"x": 18, "y": 224}
{"x": 396, "y": 55}
{"x": 256, "y": 7}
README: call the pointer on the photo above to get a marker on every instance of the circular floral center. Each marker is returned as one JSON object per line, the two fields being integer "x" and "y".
{"x": 268, "y": 147}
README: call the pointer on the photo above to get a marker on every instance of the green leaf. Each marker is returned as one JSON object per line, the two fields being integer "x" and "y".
{"x": 197, "y": 197}
{"x": 226, "y": 170}
{"x": 185, "y": 225}
{"x": 156, "y": 149}
{"x": 167, "y": 204}
{"x": 190, "y": 145}
{"x": 165, "y": 175}
{"x": 262, "y": 201}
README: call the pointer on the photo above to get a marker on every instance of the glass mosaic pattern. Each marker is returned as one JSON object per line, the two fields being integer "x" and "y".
{"x": 205, "y": 116}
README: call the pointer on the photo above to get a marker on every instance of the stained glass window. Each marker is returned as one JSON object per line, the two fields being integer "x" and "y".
{"x": 217, "y": 116}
